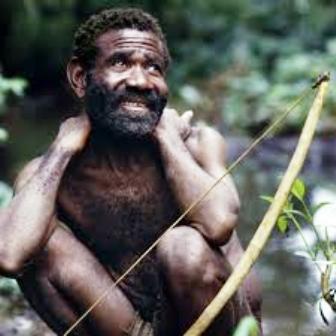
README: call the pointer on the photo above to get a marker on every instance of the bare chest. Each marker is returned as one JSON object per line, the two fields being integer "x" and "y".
{"x": 117, "y": 211}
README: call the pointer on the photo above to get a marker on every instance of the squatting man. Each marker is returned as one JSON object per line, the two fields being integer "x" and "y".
{"x": 114, "y": 178}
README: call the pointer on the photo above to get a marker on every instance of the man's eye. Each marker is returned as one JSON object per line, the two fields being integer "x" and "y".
{"x": 153, "y": 67}
{"x": 118, "y": 63}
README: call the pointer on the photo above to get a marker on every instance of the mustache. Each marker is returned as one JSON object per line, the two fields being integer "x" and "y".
{"x": 104, "y": 106}
{"x": 146, "y": 97}
{"x": 150, "y": 98}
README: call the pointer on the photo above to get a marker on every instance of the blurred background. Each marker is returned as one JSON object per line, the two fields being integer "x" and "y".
{"x": 237, "y": 64}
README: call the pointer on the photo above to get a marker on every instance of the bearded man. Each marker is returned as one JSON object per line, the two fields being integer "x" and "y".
{"x": 112, "y": 182}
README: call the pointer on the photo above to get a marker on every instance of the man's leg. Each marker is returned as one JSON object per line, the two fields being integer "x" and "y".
{"x": 251, "y": 285}
{"x": 195, "y": 272}
{"x": 65, "y": 280}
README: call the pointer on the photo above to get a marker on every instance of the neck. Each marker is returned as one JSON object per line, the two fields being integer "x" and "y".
{"x": 118, "y": 149}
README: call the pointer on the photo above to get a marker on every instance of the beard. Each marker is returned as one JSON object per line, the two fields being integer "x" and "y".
{"x": 106, "y": 113}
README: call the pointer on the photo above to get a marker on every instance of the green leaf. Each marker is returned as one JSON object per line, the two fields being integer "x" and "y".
{"x": 298, "y": 189}
{"x": 266, "y": 198}
{"x": 288, "y": 205}
{"x": 282, "y": 224}
{"x": 317, "y": 207}
{"x": 248, "y": 326}
{"x": 296, "y": 213}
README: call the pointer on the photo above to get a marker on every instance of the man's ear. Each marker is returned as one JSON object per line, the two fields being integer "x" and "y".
{"x": 76, "y": 77}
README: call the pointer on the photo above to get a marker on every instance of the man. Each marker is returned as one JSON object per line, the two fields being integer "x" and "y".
{"x": 110, "y": 184}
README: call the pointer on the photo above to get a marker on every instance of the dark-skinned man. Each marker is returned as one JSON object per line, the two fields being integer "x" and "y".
{"x": 112, "y": 181}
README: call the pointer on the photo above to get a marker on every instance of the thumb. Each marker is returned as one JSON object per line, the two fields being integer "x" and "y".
{"x": 187, "y": 116}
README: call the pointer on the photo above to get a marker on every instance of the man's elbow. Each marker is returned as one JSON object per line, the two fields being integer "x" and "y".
{"x": 222, "y": 227}
{"x": 10, "y": 266}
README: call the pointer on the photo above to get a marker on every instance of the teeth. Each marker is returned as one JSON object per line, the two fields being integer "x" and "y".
{"x": 134, "y": 104}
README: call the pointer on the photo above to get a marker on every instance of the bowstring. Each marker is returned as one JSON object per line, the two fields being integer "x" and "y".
{"x": 247, "y": 151}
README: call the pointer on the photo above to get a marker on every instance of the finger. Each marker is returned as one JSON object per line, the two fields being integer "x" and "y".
{"x": 185, "y": 130}
{"x": 171, "y": 112}
{"x": 186, "y": 133}
{"x": 168, "y": 110}
{"x": 187, "y": 116}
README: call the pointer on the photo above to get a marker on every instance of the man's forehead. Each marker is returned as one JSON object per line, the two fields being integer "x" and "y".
{"x": 130, "y": 39}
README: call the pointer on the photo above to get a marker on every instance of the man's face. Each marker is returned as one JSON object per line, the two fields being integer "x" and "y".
{"x": 126, "y": 90}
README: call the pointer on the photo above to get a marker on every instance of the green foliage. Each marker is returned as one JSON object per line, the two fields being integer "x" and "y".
{"x": 260, "y": 55}
{"x": 15, "y": 86}
{"x": 248, "y": 59}
{"x": 3, "y": 135}
{"x": 323, "y": 252}
{"x": 282, "y": 221}
{"x": 282, "y": 224}
{"x": 298, "y": 189}
{"x": 6, "y": 194}
{"x": 8, "y": 86}
{"x": 8, "y": 287}
{"x": 10, "y": 297}
{"x": 295, "y": 208}
{"x": 248, "y": 326}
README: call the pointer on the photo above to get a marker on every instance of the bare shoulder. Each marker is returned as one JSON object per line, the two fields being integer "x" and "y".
{"x": 26, "y": 173}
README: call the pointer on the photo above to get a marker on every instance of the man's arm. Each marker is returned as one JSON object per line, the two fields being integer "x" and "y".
{"x": 28, "y": 221}
{"x": 192, "y": 165}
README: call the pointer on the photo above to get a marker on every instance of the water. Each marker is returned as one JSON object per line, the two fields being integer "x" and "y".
{"x": 290, "y": 282}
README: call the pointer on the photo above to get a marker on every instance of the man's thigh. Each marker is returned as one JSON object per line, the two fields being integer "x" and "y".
{"x": 66, "y": 280}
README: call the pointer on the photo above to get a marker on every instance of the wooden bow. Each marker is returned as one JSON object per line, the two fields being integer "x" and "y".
{"x": 264, "y": 230}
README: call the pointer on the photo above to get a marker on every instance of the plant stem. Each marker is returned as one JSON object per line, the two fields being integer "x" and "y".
{"x": 311, "y": 221}
{"x": 309, "y": 250}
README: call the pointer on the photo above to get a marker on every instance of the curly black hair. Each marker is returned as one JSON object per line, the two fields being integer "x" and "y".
{"x": 84, "y": 47}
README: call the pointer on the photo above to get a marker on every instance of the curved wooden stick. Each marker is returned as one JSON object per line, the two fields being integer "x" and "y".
{"x": 265, "y": 228}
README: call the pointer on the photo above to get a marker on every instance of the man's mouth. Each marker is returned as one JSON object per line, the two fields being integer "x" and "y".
{"x": 134, "y": 106}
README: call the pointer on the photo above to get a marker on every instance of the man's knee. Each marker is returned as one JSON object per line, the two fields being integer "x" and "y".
{"x": 185, "y": 254}
{"x": 61, "y": 249}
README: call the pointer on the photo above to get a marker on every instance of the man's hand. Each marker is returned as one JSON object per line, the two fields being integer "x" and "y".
{"x": 73, "y": 133}
{"x": 207, "y": 146}
{"x": 173, "y": 125}
{"x": 29, "y": 220}
{"x": 194, "y": 158}
{"x": 204, "y": 143}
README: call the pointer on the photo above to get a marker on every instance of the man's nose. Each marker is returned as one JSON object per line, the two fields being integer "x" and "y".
{"x": 138, "y": 78}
